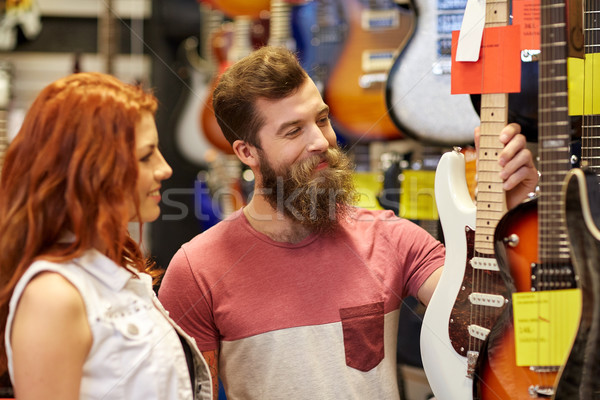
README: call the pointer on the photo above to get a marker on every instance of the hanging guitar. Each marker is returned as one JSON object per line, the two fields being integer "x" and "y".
{"x": 419, "y": 79}
{"x": 197, "y": 72}
{"x": 355, "y": 93}
{"x": 530, "y": 241}
{"x": 320, "y": 30}
{"x": 470, "y": 294}
{"x": 232, "y": 42}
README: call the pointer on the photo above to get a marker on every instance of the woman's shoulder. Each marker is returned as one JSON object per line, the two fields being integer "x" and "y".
{"x": 50, "y": 291}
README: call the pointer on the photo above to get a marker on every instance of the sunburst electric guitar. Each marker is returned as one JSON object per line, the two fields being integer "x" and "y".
{"x": 355, "y": 91}
{"x": 531, "y": 240}
{"x": 470, "y": 294}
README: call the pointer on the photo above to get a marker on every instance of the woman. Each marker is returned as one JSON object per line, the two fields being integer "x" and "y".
{"x": 78, "y": 315}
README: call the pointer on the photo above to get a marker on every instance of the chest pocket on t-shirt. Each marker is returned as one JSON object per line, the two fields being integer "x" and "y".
{"x": 363, "y": 335}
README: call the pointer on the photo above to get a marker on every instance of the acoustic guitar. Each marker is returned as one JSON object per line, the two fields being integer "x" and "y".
{"x": 355, "y": 91}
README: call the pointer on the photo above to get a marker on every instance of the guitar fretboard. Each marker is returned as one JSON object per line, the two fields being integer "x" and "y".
{"x": 554, "y": 133}
{"x": 491, "y": 203}
{"x": 590, "y": 137}
{"x": 279, "y": 28}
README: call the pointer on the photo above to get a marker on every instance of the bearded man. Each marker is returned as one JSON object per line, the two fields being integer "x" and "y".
{"x": 297, "y": 295}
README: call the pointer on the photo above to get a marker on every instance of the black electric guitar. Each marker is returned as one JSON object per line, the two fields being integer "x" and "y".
{"x": 579, "y": 376}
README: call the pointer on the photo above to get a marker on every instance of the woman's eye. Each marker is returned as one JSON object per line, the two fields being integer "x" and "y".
{"x": 146, "y": 158}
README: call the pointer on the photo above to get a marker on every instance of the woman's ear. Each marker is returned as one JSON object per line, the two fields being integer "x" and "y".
{"x": 247, "y": 153}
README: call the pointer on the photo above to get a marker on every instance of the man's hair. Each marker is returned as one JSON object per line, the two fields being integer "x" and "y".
{"x": 270, "y": 73}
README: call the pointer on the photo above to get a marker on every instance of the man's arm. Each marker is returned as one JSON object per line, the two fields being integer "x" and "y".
{"x": 426, "y": 290}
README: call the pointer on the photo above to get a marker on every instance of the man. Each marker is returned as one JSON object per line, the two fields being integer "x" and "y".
{"x": 297, "y": 295}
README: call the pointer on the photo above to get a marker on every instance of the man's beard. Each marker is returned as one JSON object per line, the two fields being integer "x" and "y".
{"x": 316, "y": 199}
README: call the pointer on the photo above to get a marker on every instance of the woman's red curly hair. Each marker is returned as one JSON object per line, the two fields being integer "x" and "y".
{"x": 71, "y": 168}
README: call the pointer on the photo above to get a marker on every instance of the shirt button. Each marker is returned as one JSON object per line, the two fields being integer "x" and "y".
{"x": 132, "y": 329}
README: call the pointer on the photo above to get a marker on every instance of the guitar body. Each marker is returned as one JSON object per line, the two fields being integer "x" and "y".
{"x": 457, "y": 215}
{"x": 191, "y": 141}
{"x": 236, "y": 8}
{"x": 355, "y": 90}
{"x": 209, "y": 125}
{"x": 578, "y": 378}
{"x": 319, "y": 30}
{"x": 423, "y": 69}
{"x": 499, "y": 376}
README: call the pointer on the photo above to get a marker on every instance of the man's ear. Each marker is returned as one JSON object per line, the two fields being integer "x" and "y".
{"x": 247, "y": 153}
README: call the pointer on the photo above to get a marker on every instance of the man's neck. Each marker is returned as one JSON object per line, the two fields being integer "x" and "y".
{"x": 273, "y": 223}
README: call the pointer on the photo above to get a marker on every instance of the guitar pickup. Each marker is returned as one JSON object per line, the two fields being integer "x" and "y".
{"x": 478, "y": 332}
{"x": 486, "y": 299}
{"x": 552, "y": 277}
{"x": 489, "y": 264}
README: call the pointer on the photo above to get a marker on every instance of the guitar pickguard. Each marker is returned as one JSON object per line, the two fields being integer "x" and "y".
{"x": 466, "y": 313}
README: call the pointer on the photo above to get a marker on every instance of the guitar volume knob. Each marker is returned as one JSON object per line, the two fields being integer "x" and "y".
{"x": 512, "y": 240}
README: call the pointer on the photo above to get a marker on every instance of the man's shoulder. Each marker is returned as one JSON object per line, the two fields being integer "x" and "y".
{"x": 224, "y": 230}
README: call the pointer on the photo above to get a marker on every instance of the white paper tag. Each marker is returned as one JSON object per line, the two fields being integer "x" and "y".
{"x": 471, "y": 31}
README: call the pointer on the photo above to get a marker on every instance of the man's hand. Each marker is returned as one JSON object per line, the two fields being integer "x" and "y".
{"x": 518, "y": 170}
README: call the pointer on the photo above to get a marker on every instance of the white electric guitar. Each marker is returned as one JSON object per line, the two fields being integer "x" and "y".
{"x": 471, "y": 294}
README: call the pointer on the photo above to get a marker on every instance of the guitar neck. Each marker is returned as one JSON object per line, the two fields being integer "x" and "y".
{"x": 108, "y": 36}
{"x": 279, "y": 23}
{"x": 491, "y": 202}
{"x": 553, "y": 132}
{"x": 242, "y": 45}
{"x": 590, "y": 137}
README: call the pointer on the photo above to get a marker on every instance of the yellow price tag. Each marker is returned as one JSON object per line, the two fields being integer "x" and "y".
{"x": 545, "y": 324}
{"x": 368, "y": 185}
{"x": 417, "y": 196}
{"x": 584, "y": 98}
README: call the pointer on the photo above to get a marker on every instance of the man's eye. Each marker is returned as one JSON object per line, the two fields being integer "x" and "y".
{"x": 293, "y": 132}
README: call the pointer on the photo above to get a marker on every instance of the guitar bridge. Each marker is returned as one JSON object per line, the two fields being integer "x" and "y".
{"x": 540, "y": 392}
{"x": 471, "y": 363}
